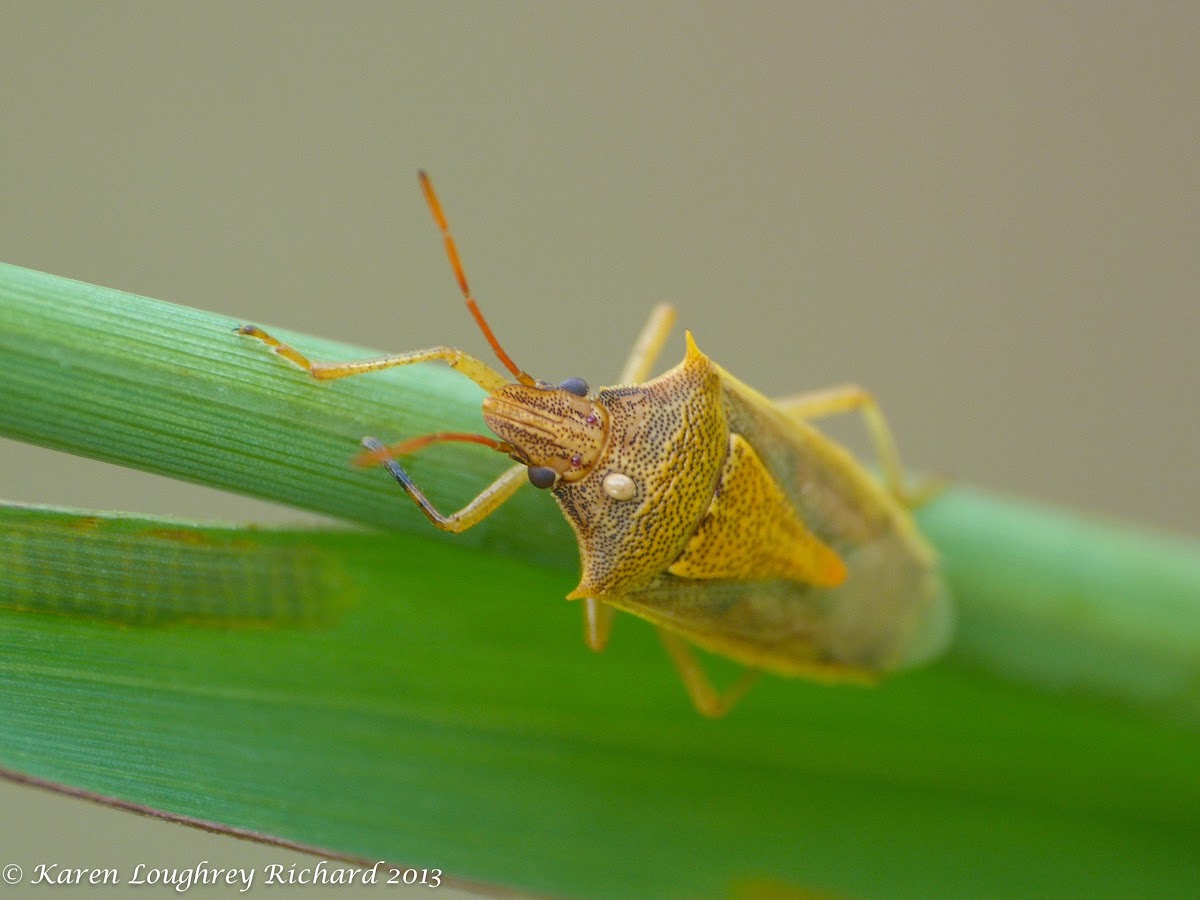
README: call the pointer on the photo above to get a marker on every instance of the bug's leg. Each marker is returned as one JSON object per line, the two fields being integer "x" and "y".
{"x": 483, "y": 505}
{"x": 705, "y": 697}
{"x": 852, "y": 398}
{"x": 475, "y": 369}
{"x": 649, "y": 343}
{"x": 379, "y": 455}
{"x": 597, "y": 623}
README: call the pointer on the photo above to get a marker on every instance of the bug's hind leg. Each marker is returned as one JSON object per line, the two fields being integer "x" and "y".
{"x": 705, "y": 697}
{"x": 852, "y": 398}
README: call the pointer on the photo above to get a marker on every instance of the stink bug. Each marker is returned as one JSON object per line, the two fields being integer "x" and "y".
{"x": 723, "y": 517}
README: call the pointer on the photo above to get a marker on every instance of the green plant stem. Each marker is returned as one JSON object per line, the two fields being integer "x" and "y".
{"x": 1041, "y": 594}
{"x": 1063, "y": 601}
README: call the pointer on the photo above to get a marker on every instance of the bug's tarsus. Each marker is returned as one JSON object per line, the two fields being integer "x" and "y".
{"x": 376, "y": 451}
{"x": 289, "y": 353}
{"x": 479, "y": 508}
{"x": 397, "y": 472}
{"x": 373, "y": 457}
{"x": 380, "y": 452}
{"x": 435, "y": 207}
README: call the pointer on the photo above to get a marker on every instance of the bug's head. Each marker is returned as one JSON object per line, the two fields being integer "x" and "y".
{"x": 555, "y": 430}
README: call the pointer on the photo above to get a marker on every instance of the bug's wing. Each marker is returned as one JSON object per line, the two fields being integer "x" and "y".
{"x": 890, "y": 612}
{"x": 849, "y": 633}
{"x": 750, "y": 530}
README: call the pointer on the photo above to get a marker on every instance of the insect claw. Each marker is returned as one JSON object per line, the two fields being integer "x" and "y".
{"x": 374, "y": 446}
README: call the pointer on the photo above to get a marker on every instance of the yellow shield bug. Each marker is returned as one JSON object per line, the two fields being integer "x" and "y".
{"x": 723, "y": 517}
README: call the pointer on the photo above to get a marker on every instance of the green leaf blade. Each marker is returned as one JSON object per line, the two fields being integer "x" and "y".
{"x": 172, "y": 390}
{"x": 451, "y": 717}
{"x": 446, "y": 713}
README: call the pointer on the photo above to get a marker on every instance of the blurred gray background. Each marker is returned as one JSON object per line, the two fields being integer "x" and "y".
{"x": 986, "y": 213}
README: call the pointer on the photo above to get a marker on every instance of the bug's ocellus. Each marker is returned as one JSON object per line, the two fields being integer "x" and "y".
{"x": 723, "y": 517}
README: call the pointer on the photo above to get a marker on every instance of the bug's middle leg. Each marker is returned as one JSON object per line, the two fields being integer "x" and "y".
{"x": 649, "y": 343}
{"x": 852, "y": 398}
{"x": 705, "y": 697}
{"x": 483, "y": 505}
{"x": 475, "y": 369}
{"x": 597, "y": 623}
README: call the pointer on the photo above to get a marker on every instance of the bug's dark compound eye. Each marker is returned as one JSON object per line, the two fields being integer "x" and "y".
{"x": 541, "y": 477}
{"x": 576, "y": 386}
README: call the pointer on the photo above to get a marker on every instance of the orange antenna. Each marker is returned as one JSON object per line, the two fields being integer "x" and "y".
{"x": 435, "y": 207}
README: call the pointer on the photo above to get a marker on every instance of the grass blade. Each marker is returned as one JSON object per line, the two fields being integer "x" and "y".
{"x": 449, "y": 716}
{"x": 1042, "y": 595}
{"x": 172, "y": 390}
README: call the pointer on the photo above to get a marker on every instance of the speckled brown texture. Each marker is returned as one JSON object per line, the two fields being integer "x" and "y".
{"x": 670, "y": 437}
{"x": 549, "y": 427}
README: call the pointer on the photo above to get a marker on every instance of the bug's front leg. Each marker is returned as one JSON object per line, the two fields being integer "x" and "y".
{"x": 649, "y": 342}
{"x": 475, "y": 369}
{"x": 483, "y": 505}
{"x": 705, "y": 697}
